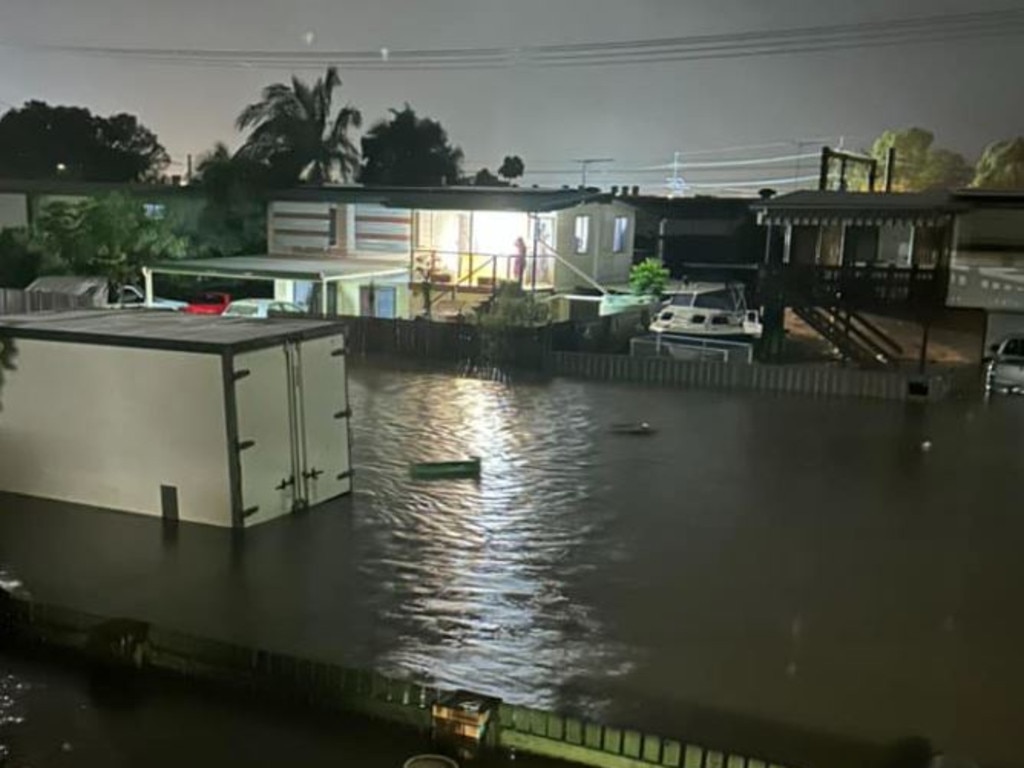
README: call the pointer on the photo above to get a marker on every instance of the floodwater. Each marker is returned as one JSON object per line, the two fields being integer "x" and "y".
{"x": 62, "y": 715}
{"x": 787, "y": 576}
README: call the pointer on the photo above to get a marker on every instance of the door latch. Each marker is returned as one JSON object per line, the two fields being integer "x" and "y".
{"x": 285, "y": 483}
{"x": 313, "y": 474}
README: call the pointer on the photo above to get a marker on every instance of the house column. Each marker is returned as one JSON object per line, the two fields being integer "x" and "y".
{"x": 323, "y": 296}
{"x": 147, "y": 281}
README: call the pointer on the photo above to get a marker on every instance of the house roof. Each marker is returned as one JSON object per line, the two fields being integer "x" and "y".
{"x": 858, "y": 208}
{"x": 272, "y": 267}
{"x": 163, "y": 330}
{"x": 68, "y": 284}
{"x": 86, "y": 188}
{"x": 525, "y": 199}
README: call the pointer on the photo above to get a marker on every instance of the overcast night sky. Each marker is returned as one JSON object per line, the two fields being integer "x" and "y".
{"x": 967, "y": 91}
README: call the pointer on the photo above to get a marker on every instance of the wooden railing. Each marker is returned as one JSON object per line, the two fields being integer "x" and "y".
{"x": 864, "y": 287}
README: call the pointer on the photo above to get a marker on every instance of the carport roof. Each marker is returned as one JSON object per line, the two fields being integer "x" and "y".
{"x": 272, "y": 267}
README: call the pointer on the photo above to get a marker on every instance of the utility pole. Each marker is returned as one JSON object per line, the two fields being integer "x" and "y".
{"x": 676, "y": 184}
{"x": 586, "y": 162}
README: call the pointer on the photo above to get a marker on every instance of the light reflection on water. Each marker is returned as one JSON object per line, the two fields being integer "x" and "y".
{"x": 470, "y": 577}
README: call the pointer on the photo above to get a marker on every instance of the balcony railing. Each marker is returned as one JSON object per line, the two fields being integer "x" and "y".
{"x": 864, "y": 287}
{"x": 486, "y": 271}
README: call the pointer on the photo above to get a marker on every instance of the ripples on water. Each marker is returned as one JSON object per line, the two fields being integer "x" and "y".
{"x": 470, "y": 578}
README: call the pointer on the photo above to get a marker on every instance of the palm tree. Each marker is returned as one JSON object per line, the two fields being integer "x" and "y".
{"x": 293, "y": 128}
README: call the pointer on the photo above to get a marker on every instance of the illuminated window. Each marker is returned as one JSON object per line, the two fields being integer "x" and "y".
{"x": 582, "y": 234}
{"x": 156, "y": 211}
{"x": 619, "y": 234}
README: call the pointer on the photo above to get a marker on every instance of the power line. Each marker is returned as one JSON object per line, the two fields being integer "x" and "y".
{"x": 904, "y": 31}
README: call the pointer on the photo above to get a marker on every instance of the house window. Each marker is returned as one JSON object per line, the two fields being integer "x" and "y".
{"x": 619, "y": 234}
{"x": 157, "y": 211}
{"x": 582, "y": 234}
{"x": 332, "y": 226}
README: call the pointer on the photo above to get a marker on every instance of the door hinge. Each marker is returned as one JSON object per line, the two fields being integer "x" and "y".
{"x": 244, "y": 444}
{"x": 346, "y": 414}
{"x": 344, "y": 475}
{"x": 338, "y": 352}
{"x": 285, "y": 483}
{"x": 313, "y": 474}
{"x": 250, "y": 511}
{"x": 241, "y": 373}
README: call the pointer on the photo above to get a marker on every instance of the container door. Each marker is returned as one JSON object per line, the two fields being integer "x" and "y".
{"x": 324, "y": 417}
{"x": 265, "y": 434}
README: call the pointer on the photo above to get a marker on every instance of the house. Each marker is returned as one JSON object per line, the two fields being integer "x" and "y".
{"x": 926, "y": 257}
{"x": 455, "y": 244}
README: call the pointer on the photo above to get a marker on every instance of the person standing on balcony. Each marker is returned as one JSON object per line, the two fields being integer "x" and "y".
{"x": 520, "y": 262}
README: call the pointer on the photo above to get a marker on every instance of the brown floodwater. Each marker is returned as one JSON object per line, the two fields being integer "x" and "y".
{"x": 782, "y": 575}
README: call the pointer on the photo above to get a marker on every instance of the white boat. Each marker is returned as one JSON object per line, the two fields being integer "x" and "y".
{"x": 711, "y": 310}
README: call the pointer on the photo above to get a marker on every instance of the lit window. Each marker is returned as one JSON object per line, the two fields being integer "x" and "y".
{"x": 582, "y": 234}
{"x": 620, "y": 233}
{"x": 155, "y": 210}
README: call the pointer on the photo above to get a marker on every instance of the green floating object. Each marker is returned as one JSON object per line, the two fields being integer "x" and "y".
{"x": 442, "y": 470}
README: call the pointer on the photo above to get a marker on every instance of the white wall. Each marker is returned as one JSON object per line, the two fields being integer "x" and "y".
{"x": 599, "y": 262}
{"x": 13, "y": 210}
{"x": 107, "y": 426}
{"x": 261, "y": 400}
{"x": 298, "y": 227}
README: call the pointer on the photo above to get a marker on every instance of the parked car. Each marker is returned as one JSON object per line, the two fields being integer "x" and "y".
{"x": 211, "y": 303}
{"x": 1006, "y": 367}
{"x": 261, "y": 308}
{"x": 132, "y": 297}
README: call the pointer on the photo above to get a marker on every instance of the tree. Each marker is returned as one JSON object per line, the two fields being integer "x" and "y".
{"x": 1001, "y": 166}
{"x": 295, "y": 130}
{"x": 407, "y": 150}
{"x": 648, "y": 278}
{"x": 234, "y": 217}
{"x": 512, "y": 167}
{"x": 919, "y": 165}
{"x": 39, "y": 141}
{"x": 484, "y": 178}
{"x": 110, "y": 236}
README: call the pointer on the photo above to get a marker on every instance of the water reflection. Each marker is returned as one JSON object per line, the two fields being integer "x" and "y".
{"x": 470, "y": 577}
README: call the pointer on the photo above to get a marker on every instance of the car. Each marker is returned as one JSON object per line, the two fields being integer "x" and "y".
{"x": 262, "y": 308}
{"x": 133, "y": 297}
{"x": 210, "y": 303}
{"x": 1006, "y": 367}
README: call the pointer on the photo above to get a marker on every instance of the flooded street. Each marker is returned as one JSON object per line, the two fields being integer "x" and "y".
{"x": 760, "y": 568}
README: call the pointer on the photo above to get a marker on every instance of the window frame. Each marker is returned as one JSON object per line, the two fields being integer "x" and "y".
{"x": 581, "y": 248}
{"x": 619, "y": 238}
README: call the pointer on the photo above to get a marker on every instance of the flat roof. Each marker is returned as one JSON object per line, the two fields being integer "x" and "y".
{"x": 271, "y": 267}
{"x": 524, "y": 199}
{"x": 161, "y": 329}
{"x": 862, "y": 208}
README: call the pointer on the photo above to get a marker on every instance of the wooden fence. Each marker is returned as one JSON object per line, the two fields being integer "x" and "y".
{"x": 14, "y": 301}
{"x": 136, "y": 645}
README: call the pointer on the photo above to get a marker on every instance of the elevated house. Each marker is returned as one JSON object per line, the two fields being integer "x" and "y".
{"x": 833, "y": 257}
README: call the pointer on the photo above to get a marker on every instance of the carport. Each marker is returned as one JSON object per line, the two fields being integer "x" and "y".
{"x": 342, "y": 279}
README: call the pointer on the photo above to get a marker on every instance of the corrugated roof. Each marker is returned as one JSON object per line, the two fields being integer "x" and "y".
{"x": 271, "y": 267}
{"x": 162, "y": 330}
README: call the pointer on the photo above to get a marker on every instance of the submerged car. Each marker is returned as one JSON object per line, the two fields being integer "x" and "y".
{"x": 1006, "y": 367}
{"x": 261, "y": 308}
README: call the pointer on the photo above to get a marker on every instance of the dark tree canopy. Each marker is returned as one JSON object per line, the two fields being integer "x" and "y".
{"x": 39, "y": 141}
{"x": 919, "y": 164}
{"x": 406, "y": 150}
{"x": 233, "y": 220}
{"x": 296, "y": 131}
{"x": 512, "y": 167}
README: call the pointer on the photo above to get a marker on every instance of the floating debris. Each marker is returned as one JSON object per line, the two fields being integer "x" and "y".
{"x": 632, "y": 428}
{"x": 926, "y": 446}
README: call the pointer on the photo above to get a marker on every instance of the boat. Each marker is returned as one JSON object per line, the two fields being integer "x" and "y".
{"x": 443, "y": 470}
{"x": 708, "y": 310}
{"x": 632, "y": 428}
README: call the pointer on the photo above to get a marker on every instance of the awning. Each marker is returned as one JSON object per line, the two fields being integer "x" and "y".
{"x": 861, "y": 209}
{"x": 271, "y": 267}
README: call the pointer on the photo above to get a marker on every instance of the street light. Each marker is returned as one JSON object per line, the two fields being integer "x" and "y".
{"x": 61, "y": 167}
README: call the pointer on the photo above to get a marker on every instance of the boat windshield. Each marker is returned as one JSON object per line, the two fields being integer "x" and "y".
{"x": 682, "y": 300}
{"x": 720, "y": 299}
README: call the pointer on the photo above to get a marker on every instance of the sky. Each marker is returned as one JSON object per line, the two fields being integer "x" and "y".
{"x": 966, "y": 91}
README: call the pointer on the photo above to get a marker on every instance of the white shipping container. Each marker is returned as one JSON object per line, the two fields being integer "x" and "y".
{"x": 224, "y": 421}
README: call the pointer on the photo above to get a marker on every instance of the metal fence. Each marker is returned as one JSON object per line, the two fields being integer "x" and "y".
{"x": 691, "y": 348}
{"x": 821, "y": 380}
